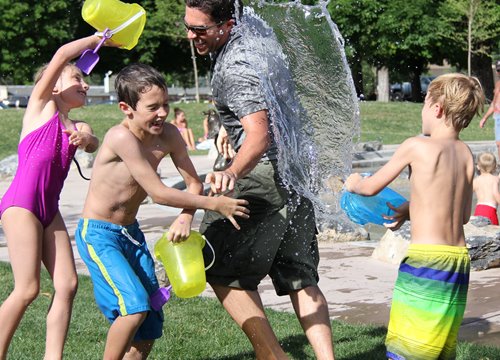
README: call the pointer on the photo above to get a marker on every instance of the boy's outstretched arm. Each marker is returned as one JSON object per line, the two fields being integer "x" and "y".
{"x": 141, "y": 170}
{"x": 372, "y": 185}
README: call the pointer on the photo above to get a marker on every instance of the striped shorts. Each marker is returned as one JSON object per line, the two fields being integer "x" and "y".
{"x": 428, "y": 303}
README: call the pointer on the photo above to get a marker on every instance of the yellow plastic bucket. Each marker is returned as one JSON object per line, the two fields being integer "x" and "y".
{"x": 125, "y": 21}
{"x": 183, "y": 263}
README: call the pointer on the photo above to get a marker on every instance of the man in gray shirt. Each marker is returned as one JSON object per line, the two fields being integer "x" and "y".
{"x": 279, "y": 239}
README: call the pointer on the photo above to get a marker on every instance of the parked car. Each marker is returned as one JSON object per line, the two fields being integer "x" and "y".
{"x": 16, "y": 101}
{"x": 402, "y": 91}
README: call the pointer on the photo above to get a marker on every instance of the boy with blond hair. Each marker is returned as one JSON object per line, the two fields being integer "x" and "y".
{"x": 431, "y": 290}
{"x": 486, "y": 187}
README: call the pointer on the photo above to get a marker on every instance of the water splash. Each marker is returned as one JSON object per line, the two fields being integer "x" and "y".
{"x": 305, "y": 59}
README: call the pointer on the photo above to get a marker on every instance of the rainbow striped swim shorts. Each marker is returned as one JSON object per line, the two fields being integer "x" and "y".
{"x": 428, "y": 303}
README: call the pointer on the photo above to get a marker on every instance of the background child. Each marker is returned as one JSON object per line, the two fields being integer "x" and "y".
{"x": 31, "y": 220}
{"x": 108, "y": 237}
{"x": 486, "y": 187}
{"x": 431, "y": 290}
{"x": 181, "y": 123}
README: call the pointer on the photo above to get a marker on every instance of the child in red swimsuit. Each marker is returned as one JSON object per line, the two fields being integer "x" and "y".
{"x": 31, "y": 220}
{"x": 486, "y": 187}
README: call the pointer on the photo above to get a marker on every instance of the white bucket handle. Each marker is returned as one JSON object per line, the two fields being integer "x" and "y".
{"x": 213, "y": 252}
{"x": 122, "y": 26}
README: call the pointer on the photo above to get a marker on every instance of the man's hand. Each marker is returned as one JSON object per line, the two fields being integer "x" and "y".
{"x": 223, "y": 145}
{"x": 221, "y": 181}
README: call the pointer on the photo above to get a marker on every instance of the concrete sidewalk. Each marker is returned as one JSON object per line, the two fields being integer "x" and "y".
{"x": 357, "y": 287}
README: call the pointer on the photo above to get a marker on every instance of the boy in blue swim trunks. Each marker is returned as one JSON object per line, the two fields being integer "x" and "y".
{"x": 108, "y": 236}
{"x": 431, "y": 289}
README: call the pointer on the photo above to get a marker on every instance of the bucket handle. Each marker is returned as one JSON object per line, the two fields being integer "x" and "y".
{"x": 122, "y": 26}
{"x": 213, "y": 252}
{"x": 128, "y": 22}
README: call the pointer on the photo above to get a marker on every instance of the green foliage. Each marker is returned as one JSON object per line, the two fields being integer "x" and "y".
{"x": 30, "y": 32}
{"x": 484, "y": 16}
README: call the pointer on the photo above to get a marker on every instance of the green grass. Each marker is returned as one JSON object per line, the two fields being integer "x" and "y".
{"x": 197, "y": 328}
{"x": 393, "y": 122}
{"x": 390, "y": 123}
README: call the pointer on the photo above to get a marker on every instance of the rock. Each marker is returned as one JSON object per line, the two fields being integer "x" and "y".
{"x": 368, "y": 146}
{"x": 8, "y": 166}
{"x": 484, "y": 252}
{"x": 480, "y": 221}
{"x": 338, "y": 228}
{"x": 393, "y": 245}
{"x": 332, "y": 235}
{"x": 483, "y": 242}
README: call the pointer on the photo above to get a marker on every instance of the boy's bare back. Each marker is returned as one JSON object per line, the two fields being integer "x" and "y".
{"x": 441, "y": 190}
{"x": 442, "y": 166}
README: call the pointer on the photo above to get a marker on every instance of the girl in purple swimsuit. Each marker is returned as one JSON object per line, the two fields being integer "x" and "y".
{"x": 31, "y": 220}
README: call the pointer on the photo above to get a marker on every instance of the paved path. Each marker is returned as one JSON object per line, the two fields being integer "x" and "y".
{"x": 357, "y": 287}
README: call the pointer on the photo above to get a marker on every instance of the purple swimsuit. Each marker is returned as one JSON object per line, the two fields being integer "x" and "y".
{"x": 44, "y": 160}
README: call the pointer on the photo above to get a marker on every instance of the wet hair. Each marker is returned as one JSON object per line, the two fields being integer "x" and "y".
{"x": 486, "y": 162}
{"x": 136, "y": 79}
{"x": 41, "y": 70}
{"x": 461, "y": 97}
{"x": 218, "y": 10}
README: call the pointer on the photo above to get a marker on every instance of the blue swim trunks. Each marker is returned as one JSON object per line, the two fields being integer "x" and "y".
{"x": 122, "y": 272}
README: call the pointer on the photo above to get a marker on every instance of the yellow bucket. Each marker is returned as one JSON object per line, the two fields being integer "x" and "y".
{"x": 125, "y": 21}
{"x": 183, "y": 263}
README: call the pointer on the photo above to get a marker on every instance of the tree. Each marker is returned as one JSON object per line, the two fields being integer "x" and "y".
{"x": 407, "y": 40}
{"x": 30, "y": 33}
{"x": 357, "y": 22}
{"x": 471, "y": 26}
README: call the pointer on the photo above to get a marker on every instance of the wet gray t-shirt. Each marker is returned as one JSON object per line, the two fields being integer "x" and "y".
{"x": 237, "y": 89}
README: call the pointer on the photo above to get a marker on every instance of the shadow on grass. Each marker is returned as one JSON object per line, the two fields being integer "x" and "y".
{"x": 360, "y": 345}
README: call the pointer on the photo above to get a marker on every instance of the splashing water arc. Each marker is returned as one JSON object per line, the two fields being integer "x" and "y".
{"x": 314, "y": 136}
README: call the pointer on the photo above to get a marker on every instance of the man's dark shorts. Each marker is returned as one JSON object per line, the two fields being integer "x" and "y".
{"x": 279, "y": 239}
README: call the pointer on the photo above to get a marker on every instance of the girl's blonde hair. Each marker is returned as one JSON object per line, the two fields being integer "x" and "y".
{"x": 461, "y": 97}
{"x": 39, "y": 73}
{"x": 486, "y": 162}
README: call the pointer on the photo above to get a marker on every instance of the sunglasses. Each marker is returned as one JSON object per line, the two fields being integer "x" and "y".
{"x": 201, "y": 30}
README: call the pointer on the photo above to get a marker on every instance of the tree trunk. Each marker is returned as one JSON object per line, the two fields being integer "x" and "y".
{"x": 357, "y": 77}
{"x": 195, "y": 69}
{"x": 383, "y": 84}
{"x": 416, "y": 87}
{"x": 481, "y": 68}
